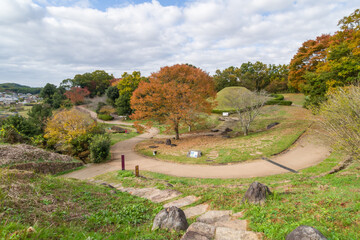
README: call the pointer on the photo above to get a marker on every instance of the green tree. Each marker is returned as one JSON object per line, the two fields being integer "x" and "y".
{"x": 53, "y": 95}
{"x": 254, "y": 76}
{"x": 126, "y": 86}
{"x": 39, "y": 114}
{"x": 112, "y": 93}
{"x": 96, "y": 82}
{"x": 229, "y": 77}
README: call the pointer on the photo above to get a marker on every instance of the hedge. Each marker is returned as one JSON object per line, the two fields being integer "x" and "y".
{"x": 105, "y": 117}
{"x": 278, "y": 102}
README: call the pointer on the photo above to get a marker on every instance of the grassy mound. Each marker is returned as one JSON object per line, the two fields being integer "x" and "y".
{"x": 221, "y": 96}
{"x": 26, "y": 157}
{"x": 57, "y": 208}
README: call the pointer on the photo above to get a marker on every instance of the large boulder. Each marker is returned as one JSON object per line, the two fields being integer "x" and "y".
{"x": 305, "y": 232}
{"x": 257, "y": 193}
{"x": 170, "y": 218}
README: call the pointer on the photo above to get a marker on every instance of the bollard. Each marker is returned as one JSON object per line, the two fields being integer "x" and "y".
{"x": 137, "y": 171}
{"x": 123, "y": 162}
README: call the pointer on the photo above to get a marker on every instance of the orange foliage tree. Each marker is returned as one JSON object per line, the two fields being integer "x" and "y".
{"x": 77, "y": 94}
{"x": 174, "y": 95}
{"x": 307, "y": 58}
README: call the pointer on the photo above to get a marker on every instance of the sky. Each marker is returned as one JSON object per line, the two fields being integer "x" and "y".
{"x": 47, "y": 41}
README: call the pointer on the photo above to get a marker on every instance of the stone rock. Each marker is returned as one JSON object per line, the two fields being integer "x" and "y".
{"x": 223, "y": 233}
{"x": 257, "y": 193}
{"x": 168, "y": 142}
{"x": 117, "y": 129}
{"x": 170, "y": 218}
{"x": 153, "y": 146}
{"x": 228, "y": 130}
{"x": 235, "y": 224}
{"x": 211, "y": 217}
{"x": 214, "y": 130}
{"x": 272, "y": 125}
{"x": 173, "y": 145}
{"x": 199, "y": 230}
{"x": 196, "y": 210}
{"x": 305, "y": 232}
{"x": 182, "y": 202}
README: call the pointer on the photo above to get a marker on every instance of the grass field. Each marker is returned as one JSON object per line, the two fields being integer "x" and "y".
{"x": 293, "y": 121}
{"x": 58, "y": 208}
{"x": 329, "y": 203}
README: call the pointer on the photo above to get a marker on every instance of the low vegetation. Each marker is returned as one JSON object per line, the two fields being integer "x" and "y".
{"x": 329, "y": 203}
{"x": 36, "y": 206}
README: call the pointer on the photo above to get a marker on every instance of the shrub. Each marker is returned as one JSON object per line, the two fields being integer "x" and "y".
{"x": 277, "y": 96}
{"x": 100, "y": 148}
{"x": 278, "y": 102}
{"x": 105, "y": 117}
{"x": 341, "y": 118}
{"x": 99, "y": 106}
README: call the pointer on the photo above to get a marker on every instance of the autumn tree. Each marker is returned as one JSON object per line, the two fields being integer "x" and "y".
{"x": 173, "y": 95}
{"x": 278, "y": 78}
{"x": 70, "y": 131}
{"x": 126, "y": 86}
{"x": 77, "y": 94}
{"x": 307, "y": 58}
{"x": 247, "y": 105}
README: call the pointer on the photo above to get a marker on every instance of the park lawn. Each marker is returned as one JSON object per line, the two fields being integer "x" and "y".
{"x": 259, "y": 143}
{"x": 60, "y": 208}
{"x": 296, "y": 98}
{"x": 329, "y": 203}
{"x": 118, "y": 137}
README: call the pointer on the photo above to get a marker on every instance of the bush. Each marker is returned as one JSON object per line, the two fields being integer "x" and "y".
{"x": 278, "y": 102}
{"x": 99, "y": 106}
{"x": 105, "y": 117}
{"x": 100, "y": 148}
{"x": 277, "y": 96}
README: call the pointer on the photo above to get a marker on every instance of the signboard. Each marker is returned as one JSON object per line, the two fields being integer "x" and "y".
{"x": 194, "y": 154}
{"x": 225, "y": 114}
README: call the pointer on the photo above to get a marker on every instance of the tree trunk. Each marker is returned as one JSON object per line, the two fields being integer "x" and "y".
{"x": 177, "y": 136}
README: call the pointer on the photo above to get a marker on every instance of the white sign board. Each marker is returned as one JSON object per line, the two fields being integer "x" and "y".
{"x": 225, "y": 114}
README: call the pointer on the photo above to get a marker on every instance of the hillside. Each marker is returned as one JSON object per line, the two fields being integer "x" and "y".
{"x": 221, "y": 96}
{"x": 35, "y": 206}
{"x": 17, "y": 88}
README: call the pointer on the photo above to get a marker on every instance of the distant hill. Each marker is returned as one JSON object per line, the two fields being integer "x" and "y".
{"x": 17, "y": 88}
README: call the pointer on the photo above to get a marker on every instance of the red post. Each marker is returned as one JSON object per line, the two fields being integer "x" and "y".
{"x": 123, "y": 162}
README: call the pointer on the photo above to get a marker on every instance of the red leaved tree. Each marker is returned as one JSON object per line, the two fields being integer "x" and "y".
{"x": 309, "y": 55}
{"x": 174, "y": 95}
{"x": 77, "y": 94}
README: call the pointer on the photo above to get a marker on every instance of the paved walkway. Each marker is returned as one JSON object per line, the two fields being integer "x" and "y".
{"x": 303, "y": 154}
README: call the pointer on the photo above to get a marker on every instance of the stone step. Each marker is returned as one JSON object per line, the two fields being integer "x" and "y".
{"x": 199, "y": 231}
{"x": 182, "y": 202}
{"x": 196, "y": 210}
{"x": 211, "y": 217}
{"x": 159, "y": 196}
{"x": 223, "y": 233}
{"x": 235, "y": 224}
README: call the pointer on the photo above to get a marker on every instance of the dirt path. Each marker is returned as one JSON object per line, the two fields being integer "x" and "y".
{"x": 306, "y": 152}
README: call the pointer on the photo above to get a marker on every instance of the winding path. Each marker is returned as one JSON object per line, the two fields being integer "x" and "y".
{"x": 306, "y": 152}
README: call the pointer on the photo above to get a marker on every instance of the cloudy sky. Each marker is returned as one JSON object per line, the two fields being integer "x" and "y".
{"x": 45, "y": 41}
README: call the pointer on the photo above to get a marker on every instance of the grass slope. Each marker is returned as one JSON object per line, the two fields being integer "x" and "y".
{"x": 67, "y": 209}
{"x": 228, "y": 91}
{"x": 330, "y": 203}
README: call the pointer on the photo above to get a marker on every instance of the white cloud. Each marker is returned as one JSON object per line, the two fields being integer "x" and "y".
{"x": 52, "y": 42}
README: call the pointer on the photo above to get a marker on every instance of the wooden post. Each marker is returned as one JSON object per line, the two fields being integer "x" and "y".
{"x": 137, "y": 171}
{"x": 123, "y": 162}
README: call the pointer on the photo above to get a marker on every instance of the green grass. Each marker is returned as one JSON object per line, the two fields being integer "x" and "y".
{"x": 228, "y": 91}
{"x": 67, "y": 209}
{"x": 118, "y": 137}
{"x": 330, "y": 203}
{"x": 296, "y": 98}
